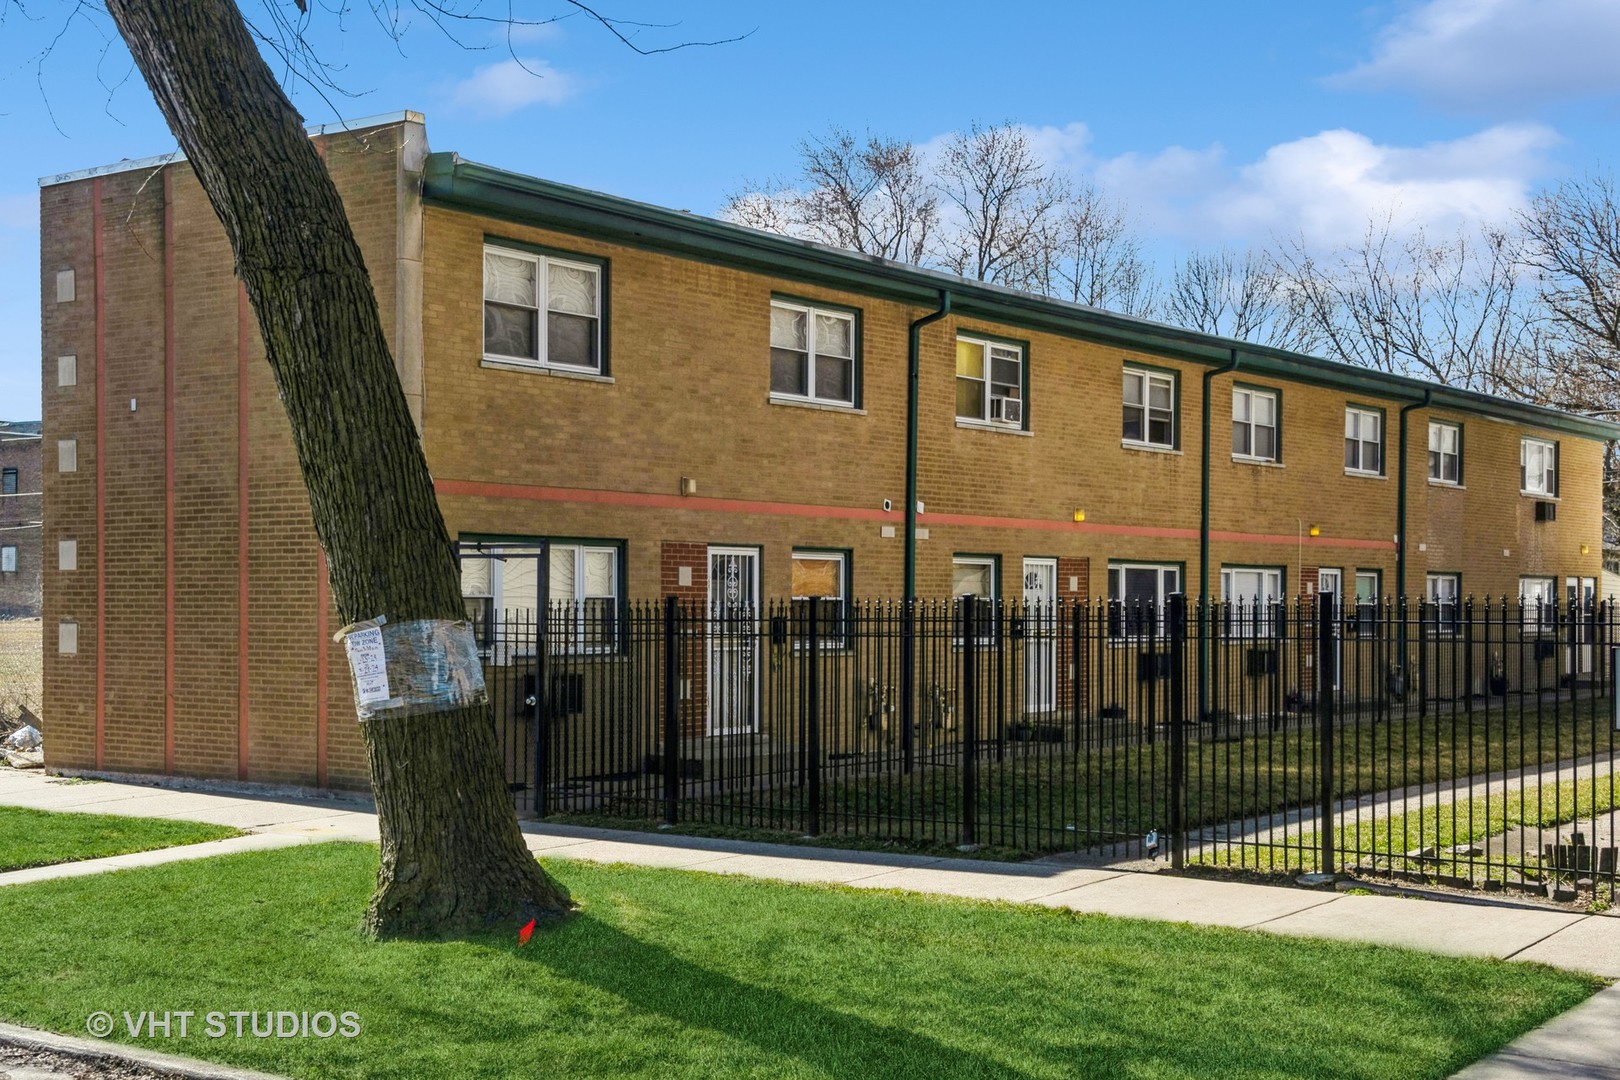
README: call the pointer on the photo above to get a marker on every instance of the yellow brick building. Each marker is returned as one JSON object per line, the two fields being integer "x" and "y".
{"x": 670, "y": 400}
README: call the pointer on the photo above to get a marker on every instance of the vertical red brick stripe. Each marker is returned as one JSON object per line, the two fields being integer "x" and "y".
{"x": 101, "y": 474}
{"x": 321, "y": 647}
{"x": 242, "y": 330}
{"x": 168, "y": 471}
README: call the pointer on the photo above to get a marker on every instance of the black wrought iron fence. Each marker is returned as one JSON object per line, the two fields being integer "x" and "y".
{"x": 1469, "y": 742}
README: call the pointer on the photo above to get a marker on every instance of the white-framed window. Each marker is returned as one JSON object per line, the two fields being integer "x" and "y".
{"x": 500, "y": 588}
{"x": 1253, "y": 595}
{"x": 542, "y": 310}
{"x": 977, "y": 576}
{"x": 1445, "y": 452}
{"x": 823, "y": 574}
{"x": 1445, "y": 602}
{"x": 67, "y": 455}
{"x": 584, "y": 594}
{"x": 1538, "y": 467}
{"x": 989, "y": 382}
{"x": 1368, "y": 585}
{"x": 1137, "y": 594}
{"x": 1363, "y": 441}
{"x": 1539, "y": 597}
{"x": 8, "y": 560}
{"x": 1150, "y": 408}
{"x": 1254, "y": 424}
{"x": 812, "y": 353}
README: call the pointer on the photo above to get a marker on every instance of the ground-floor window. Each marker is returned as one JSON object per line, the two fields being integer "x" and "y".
{"x": 1252, "y": 595}
{"x": 823, "y": 574}
{"x": 1367, "y": 590}
{"x": 1444, "y": 592}
{"x": 1539, "y": 595}
{"x": 978, "y": 576}
{"x": 501, "y": 586}
{"x": 1137, "y": 593}
{"x": 8, "y": 560}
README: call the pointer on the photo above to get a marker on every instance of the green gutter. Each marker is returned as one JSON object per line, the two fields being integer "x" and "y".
{"x": 908, "y": 629}
{"x": 1203, "y": 547}
{"x": 452, "y": 183}
{"x": 1400, "y": 503}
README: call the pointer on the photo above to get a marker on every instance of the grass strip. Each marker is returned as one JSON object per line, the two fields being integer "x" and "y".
{"x": 42, "y": 837}
{"x": 670, "y": 974}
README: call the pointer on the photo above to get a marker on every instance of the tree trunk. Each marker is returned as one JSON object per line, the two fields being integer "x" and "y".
{"x": 453, "y": 857}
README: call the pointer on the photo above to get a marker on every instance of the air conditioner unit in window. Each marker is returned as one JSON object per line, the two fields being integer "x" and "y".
{"x": 1007, "y": 410}
{"x": 1546, "y": 511}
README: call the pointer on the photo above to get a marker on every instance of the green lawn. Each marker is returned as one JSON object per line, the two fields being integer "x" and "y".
{"x": 1383, "y": 839}
{"x": 1042, "y": 798}
{"x": 670, "y": 974}
{"x": 40, "y": 838}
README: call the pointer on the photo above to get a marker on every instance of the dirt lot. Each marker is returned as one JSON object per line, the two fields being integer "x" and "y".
{"x": 21, "y": 670}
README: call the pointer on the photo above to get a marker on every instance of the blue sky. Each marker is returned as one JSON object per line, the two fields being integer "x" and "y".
{"x": 1217, "y": 124}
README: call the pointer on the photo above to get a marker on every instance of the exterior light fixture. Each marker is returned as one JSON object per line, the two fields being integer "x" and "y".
{"x": 688, "y": 485}
{"x": 1585, "y": 549}
{"x": 1079, "y": 515}
{"x": 1315, "y": 531}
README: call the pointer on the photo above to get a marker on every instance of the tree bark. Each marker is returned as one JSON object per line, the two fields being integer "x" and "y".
{"x": 453, "y": 857}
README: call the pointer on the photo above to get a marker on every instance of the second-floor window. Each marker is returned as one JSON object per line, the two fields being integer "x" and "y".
{"x": 1538, "y": 467}
{"x": 812, "y": 353}
{"x": 542, "y": 310}
{"x": 8, "y": 481}
{"x": 1150, "y": 408}
{"x": 1445, "y": 453}
{"x": 8, "y": 560}
{"x": 1363, "y": 441}
{"x": 1254, "y": 424}
{"x": 989, "y": 382}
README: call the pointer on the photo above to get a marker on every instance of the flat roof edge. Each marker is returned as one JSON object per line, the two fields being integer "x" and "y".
{"x": 157, "y": 161}
{"x": 451, "y": 180}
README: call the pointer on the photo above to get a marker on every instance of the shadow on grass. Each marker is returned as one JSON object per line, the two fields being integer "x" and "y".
{"x": 657, "y": 981}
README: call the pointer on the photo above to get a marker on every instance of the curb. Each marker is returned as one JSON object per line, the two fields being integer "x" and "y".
{"x": 94, "y": 1051}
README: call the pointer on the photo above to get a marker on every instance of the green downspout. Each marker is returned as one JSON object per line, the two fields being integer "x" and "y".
{"x": 908, "y": 627}
{"x": 1203, "y": 548}
{"x": 1400, "y": 504}
{"x": 1400, "y": 538}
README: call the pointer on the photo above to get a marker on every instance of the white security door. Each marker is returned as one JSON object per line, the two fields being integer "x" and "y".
{"x": 1331, "y": 582}
{"x": 1581, "y": 595}
{"x": 1040, "y": 635}
{"x": 733, "y": 641}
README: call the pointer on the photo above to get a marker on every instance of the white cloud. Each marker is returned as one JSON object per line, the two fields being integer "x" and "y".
{"x": 1325, "y": 188}
{"x": 1473, "y": 55}
{"x": 498, "y": 89}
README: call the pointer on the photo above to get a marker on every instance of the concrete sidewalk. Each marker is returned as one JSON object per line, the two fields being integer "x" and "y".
{"x": 1578, "y": 942}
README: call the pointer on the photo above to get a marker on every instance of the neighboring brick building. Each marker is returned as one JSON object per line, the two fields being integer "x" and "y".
{"x": 20, "y": 518}
{"x": 701, "y": 408}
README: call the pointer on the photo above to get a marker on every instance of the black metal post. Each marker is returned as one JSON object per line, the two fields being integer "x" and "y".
{"x": 908, "y": 680}
{"x": 672, "y": 727}
{"x": 813, "y": 749}
{"x": 1324, "y": 727}
{"x": 542, "y": 679}
{"x": 1178, "y": 733}
{"x": 970, "y": 717}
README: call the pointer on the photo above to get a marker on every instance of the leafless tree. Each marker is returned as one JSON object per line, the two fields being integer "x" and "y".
{"x": 1096, "y": 257}
{"x": 1572, "y": 241}
{"x": 1454, "y": 311}
{"x": 1001, "y": 204}
{"x": 1245, "y": 296}
{"x": 869, "y": 196}
{"x": 453, "y": 858}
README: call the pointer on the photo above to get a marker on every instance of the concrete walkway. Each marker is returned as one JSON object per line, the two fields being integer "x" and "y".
{"x": 1578, "y": 942}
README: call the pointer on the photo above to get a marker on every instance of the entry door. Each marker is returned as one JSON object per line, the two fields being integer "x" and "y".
{"x": 1581, "y": 596}
{"x": 733, "y": 641}
{"x": 1040, "y": 635}
{"x": 1331, "y": 582}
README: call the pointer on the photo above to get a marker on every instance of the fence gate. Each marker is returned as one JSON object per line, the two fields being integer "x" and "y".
{"x": 505, "y": 590}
